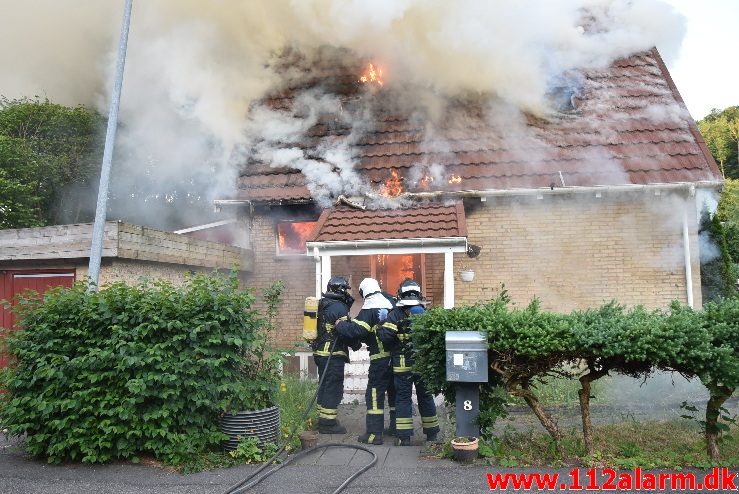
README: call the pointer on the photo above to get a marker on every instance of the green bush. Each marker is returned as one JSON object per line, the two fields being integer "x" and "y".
{"x": 132, "y": 369}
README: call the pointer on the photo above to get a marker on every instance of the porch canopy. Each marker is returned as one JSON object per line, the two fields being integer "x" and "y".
{"x": 429, "y": 228}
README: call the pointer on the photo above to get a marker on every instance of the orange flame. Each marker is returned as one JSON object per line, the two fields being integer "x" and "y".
{"x": 455, "y": 179}
{"x": 426, "y": 181}
{"x": 393, "y": 186}
{"x": 371, "y": 75}
{"x": 291, "y": 237}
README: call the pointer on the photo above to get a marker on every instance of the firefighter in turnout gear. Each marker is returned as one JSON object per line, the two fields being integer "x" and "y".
{"x": 334, "y": 305}
{"x": 395, "y": 333}
{"x": 364, "y": 328}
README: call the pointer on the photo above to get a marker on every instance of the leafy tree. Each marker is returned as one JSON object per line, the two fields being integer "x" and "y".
{"x": 48, "y": 152}
{"x": 720, "y": 130}
{"x": 728, "y": 207}
{"x": 19, "y": 202}
{"x": 49, "y": 166}
{"x": 728, "y": 215}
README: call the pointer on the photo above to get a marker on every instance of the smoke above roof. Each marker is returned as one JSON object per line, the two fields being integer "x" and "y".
{"x": 194, "y": 68}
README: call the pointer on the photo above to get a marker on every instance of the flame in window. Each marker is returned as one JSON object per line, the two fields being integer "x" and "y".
{"x": 407, "y": 268}
{"x": 393, "y": 186}
{"x": 455, "y": 179}
{"x": 392, "y": 269}
{"x": 291, "y": 236}
{"x": 372, "y": 75}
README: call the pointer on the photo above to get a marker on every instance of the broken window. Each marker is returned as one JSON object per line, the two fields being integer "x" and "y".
{"x": 292, "y": 235}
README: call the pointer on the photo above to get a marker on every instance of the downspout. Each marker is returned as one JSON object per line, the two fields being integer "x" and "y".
{"x": 688, "y": 265}
{"x": 317, "y": 258}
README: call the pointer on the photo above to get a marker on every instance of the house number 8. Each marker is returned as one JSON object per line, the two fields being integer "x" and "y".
{"x": 467, "y": 405}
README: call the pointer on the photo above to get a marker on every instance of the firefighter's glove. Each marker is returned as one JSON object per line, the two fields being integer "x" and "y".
{"x": 330, "y": 327}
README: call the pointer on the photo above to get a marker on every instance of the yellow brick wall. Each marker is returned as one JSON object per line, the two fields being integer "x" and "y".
{"x": 569, "y": 251}
{"x": 434, "y": 288}
{"x": 575, "y": 252}
{"x": 131, "y": 271}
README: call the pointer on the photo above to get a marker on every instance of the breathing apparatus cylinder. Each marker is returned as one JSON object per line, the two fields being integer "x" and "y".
{"x": 310, "y": 319}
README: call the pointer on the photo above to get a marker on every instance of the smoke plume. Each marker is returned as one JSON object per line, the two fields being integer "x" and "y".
{"x": 194, "y": 69}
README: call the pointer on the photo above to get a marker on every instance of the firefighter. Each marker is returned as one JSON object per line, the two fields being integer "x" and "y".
{"x": 334, "y": 304}
{"x": 363, "y": 328}
{"x": 395, "y": 333}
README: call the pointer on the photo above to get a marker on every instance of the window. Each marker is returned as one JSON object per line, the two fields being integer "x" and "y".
{"x": 292, "y": 235}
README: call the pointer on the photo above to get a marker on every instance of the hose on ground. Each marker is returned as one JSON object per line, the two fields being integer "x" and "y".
{"x": 248, "y": 483}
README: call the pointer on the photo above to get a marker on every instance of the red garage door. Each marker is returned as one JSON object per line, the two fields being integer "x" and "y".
{"x": 13, "y": 283}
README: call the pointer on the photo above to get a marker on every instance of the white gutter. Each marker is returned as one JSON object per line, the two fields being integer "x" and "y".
{"x": 206, "y": 226}
{"x": 387, "y": 246}
{"x": 678, "y": 186}
{"x": 231, "y": 202}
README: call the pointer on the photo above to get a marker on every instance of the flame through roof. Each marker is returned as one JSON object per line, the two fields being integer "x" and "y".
{"x": 629, "y": 127}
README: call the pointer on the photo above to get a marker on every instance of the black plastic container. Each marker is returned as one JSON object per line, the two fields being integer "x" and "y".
{"x": 262, "y": 424}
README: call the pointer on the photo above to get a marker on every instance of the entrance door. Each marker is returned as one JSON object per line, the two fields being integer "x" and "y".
{"x": 391, "y": 269}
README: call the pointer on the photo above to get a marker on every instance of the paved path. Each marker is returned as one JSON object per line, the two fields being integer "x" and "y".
{"x": 20, "y": 474}
{"x": 388, "y": 455}
{"x": 398, "y": 470}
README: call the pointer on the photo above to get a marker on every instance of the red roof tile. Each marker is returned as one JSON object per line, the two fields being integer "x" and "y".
{"x": 626, "y": 130}
{"x": 431, "y": 220}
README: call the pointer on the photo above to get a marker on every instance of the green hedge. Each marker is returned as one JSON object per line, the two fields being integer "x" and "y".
{"x": 133, "y": 369}
{"x": 528, "y": 345}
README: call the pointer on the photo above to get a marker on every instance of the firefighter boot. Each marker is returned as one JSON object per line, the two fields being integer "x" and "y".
{"x": 371, "y": 438}
{"x": 326, "y": 426}
{"x": 403, "y": 441}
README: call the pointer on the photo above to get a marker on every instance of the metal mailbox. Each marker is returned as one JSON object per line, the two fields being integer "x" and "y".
{"x": 466, "y": 356}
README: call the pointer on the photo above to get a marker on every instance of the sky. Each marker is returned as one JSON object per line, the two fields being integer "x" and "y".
{"x": 706, "y": 71}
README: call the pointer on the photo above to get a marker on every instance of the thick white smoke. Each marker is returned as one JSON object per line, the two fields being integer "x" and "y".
{"x": 194, "y": 67}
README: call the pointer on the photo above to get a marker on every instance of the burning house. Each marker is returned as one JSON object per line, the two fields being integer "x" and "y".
{"x": 596, "y": 200}
{"x": 542, "y": 145}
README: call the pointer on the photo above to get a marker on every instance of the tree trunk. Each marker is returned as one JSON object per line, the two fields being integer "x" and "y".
{"x": 546, "y": 420}
{"x": 584, "y": 395}
{"x": 719, "y": 394}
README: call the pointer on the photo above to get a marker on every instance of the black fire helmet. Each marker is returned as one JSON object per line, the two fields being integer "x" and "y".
{"x": 338, "y": 284}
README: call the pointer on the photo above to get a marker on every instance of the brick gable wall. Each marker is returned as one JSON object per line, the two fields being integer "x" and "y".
{"x": 297, "y": 271}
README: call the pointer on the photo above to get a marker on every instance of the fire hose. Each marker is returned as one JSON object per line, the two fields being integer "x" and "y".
{"x": 248, "y": 483}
